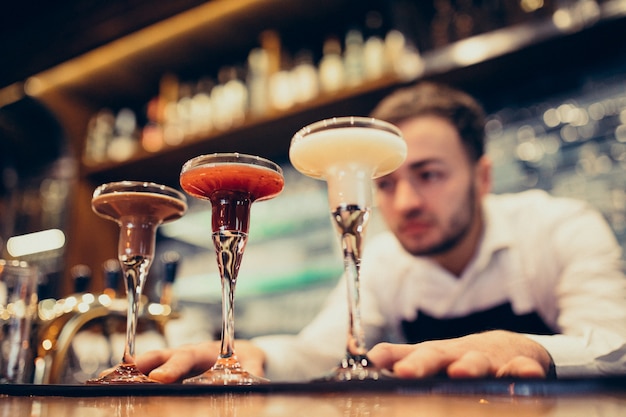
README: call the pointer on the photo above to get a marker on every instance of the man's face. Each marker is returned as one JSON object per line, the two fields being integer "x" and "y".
{"x": 433, "y": 199}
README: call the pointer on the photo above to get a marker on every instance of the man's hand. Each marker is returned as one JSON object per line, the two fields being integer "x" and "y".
{"x": 495, "y": 353}
{"x": 174, "y": 365}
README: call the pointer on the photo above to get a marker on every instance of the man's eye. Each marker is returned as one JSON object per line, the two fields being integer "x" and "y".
{"x": 384, "y": 185}
{"x": 430, "y": 176}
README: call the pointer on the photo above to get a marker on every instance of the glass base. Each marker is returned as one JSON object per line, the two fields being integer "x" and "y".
{"x": 219, "y": 375}
{"x": 354, "y": 368}
{"x": 122, "y": 374}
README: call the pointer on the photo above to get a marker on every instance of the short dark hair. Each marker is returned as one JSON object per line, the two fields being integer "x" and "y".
{"x": 429, "y": 98}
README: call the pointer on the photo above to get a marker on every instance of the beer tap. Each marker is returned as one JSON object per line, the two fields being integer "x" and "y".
{"x": 81, "y": 274}
{"x": 77, "y": 334}
{"x": 171, "y": 260}
{"x": 112, "y": 277}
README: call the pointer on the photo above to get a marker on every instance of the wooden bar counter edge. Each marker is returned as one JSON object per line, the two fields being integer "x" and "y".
{"x": 429, "y": 398}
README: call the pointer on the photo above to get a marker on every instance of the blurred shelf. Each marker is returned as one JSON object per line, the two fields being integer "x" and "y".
{"x": 265, "y": 136}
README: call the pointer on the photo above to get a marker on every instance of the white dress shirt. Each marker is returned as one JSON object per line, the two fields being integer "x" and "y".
{"x": 556, "y": 257}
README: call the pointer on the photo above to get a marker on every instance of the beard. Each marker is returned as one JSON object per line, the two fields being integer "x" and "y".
{"x": 456, "y": 230}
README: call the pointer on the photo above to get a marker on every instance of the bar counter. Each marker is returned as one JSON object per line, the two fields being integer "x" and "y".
{"x": 428, "y": 398}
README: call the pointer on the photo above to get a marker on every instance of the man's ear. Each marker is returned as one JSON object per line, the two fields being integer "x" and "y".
{"x": 483, "y": 175}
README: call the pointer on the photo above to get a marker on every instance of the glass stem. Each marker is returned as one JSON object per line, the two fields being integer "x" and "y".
{"x": 135, "y": 272}
{"x": 135, "y": 251}
{"x": 228, "y": 324}
{"x": 229, "y": 247}
{"x": 356, "y": 338}
{"x": 350, "y": 221}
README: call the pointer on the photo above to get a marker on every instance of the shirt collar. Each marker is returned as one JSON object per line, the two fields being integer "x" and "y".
{"x": 496, "y": 237}
{"x": 497, "y": 234}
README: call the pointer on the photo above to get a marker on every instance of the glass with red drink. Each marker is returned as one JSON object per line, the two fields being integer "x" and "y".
{"x": 231, "y": 182}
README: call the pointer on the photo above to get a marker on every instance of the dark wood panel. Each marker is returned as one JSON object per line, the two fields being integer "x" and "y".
{"x": 55, "y": 35}
{"x": 35, "y": 36}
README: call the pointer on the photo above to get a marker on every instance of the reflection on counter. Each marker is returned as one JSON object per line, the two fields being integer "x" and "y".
{"x": 358, "y": 404}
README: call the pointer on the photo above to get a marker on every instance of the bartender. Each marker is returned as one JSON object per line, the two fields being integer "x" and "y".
{"x": 464, "y": 282}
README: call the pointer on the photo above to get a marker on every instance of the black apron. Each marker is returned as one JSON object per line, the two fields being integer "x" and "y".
{"x": 502, "y": 317}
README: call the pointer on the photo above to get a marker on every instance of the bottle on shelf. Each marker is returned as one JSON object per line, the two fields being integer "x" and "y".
{"x": 374, "y": 58}
{"x": 354, "y": 58}
{"x": 331, "y": 66}
{"x": 124, "y": 143}
{"x": 257, "y": 81}
{"x": 404, "y": 57}
{"x": 99, "y": 136}
{"x": 305, "y": 77}
{"x": 152, "y": 135}
{"x": 202, "y": 107}
{"x": 184, "y": 116}
{"x": 282, "y": 91}
{"x": 169, "y": 94}
{"x": 230, "y": 99}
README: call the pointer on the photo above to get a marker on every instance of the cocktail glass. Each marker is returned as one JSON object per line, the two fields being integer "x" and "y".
{"x": 231, "y": 182}
{"x": 348, "y": 152}
{"x": 138, "y": 208}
